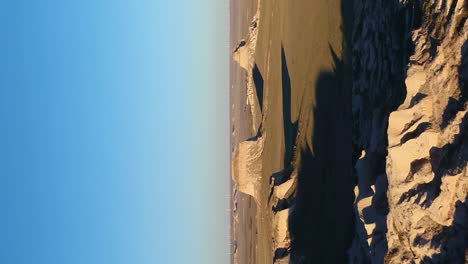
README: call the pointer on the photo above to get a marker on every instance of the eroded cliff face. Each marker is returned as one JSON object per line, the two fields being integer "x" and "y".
{"x": 379, "y": 55}
{"x": 428, "y": 144}
{"x": 410, "y": 132}
{"x": 247, "y": 166}
{"x": 244, "y": 55}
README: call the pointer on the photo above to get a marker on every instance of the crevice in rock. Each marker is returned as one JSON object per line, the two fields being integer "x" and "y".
{"x": 421, "y": 128}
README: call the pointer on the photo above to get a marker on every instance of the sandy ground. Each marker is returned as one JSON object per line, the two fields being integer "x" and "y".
{"x": 299, "y": 46}
{"x": 243, "y": 223}
{"x": 295, "y": 45}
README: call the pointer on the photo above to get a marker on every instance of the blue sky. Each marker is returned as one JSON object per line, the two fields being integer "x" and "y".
{"x": 114, "y": 145}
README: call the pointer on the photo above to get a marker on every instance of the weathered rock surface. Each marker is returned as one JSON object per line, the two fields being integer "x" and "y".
{"x": 247, "y": 166}
{"x": 428, "y": 144}
{"x": 379, "y": 37}
{"x": 410, "y": 131}
{"x": 285, "y": 190}
{"x": 281, "y": 232}
{"x": 244, "y": 55}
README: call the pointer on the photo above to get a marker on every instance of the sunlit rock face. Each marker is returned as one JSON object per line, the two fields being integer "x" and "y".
{"x": 428, "y": 144}
{"x": 244, "y": 55}
{"x": 247, "y": 166}
{"x": 410, "y": 132}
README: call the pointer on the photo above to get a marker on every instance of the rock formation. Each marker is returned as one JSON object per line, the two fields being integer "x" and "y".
{"x": 247, "y": 166}
{"x": 428, "y": 144}
{"x": 410, "y": 116}
{"x": 379, "y": 37}
{"x": 244, "y": 55}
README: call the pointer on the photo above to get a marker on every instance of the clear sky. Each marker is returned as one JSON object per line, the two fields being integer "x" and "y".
{"x": 114, "y": 137}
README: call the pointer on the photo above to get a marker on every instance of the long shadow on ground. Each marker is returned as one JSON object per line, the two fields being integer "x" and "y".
{"x": 321, "y": 224}
{"x": 322, "y": 221}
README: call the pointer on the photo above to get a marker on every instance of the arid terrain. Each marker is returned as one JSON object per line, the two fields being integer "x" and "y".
{"x": 289, "y": 51}
{"x": 349, "y": 135}
{"x": 243, "y": 223}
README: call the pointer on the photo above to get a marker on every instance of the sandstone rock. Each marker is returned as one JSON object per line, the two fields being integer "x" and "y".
{"x": 416, "y": 78}
{"x": 247, "y": 166}
{"x": 286, "y": 189}
{"x": 244, "y": 55}
{"x": 427, "y": 157}
{"x": 280, "y": 227}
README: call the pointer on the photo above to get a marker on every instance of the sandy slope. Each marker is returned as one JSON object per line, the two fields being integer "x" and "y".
{"x": 295, "y": 45}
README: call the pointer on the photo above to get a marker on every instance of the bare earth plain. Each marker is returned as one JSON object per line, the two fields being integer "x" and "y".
{"x": 243, "y": 224}
{"x": 299, "y": 47}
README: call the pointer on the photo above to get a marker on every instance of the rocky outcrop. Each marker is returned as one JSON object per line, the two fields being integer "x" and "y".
{"x": 428, "y": 144}
{"x": 379, "y": 37}
{"x": 244, "y": 56}
{"x": 281, "y": 232}
{"x": 247, "y": 166}
{"x": 247, "y": 162}
{"x": 286, "y": 189}
{"x": 410, "y": 131}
